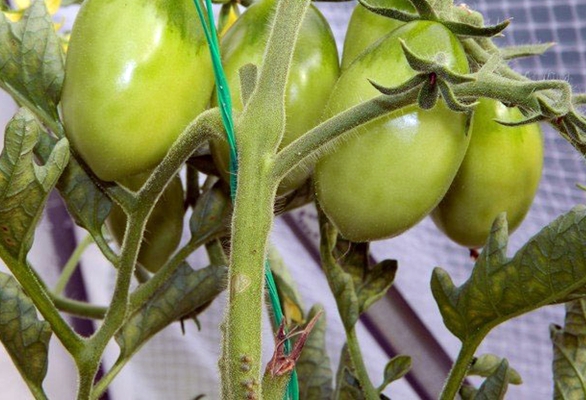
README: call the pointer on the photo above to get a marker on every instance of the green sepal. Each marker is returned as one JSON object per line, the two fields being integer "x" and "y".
{"x": 550, "y": 110}
{"x": 390, "y": 12}
{"x": 24, "y": 336}
{"x": 531, "y": 119}
{"x": 313, "y": 367}
{"x": 496, "y": 385}
{"x": 487, "y": 364}
{"x": 569, "y": 351}
{"x": 550, "y": 268}
{"x": 185, "y": 292}
{"x": 451, "y": 100}
{"x": 395, "y": 369}
{"x": 248, "y": 74}
{"x": 424, "y": 9}
{"x": 24, "y": 185}
{"x": 430, "y": 66}
{"x": 412, "y": 83}
{"x": 467, "y": 30}
{"x": 527, "y": 50}
{"x": 428, "y": 95}
{"x": 32, "y": 61}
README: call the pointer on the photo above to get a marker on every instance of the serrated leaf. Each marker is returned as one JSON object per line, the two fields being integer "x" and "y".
{"x": 24, "y": 185}
{"x": 313, "y": 367}
{"x": 32, "y": 60}
{"x": 395, "y": 369}
{"x": 24, "y": 336}
{"x": 548, "y": 269}
{"x": 86, "y": 203}
{"x": 347, "y": 385}
{"x": 184, "y": 293}
{"x": 355, "y": 283}
{"x": 211, "y": 214}
{"x": 487, "y": 364}
{"x": 495, "y": 386}
{"x": 569, "y": 353}
{"x": 288, "y": 294}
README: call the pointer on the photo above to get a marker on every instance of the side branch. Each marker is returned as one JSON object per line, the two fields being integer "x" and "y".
{"x": 314, "y": 142}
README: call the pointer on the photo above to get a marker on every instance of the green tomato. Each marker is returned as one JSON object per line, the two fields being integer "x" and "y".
{"x": 391, "y": 172}
{"x": 501, "y": 172}
{"x": 137, "y": 73}
{"x": 164, "y": 227}
{"x": 313, "y": 74}
{"x": 366, "y": 27}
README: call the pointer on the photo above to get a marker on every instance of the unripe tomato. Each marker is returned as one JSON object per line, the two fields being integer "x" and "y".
{"x": 137, "y": 73}
{"x": 164, "y": 227}
{"x": 501, "y": 172}
{"x": 312, "y": 76}
{"x": 366, "y": 27}
{"x": 391, "y": 172}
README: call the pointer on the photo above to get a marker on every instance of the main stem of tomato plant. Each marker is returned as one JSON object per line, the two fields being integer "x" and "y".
{"x": 460, "y": 367}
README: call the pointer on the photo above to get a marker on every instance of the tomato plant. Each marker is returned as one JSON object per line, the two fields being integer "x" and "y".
{"x": 394, "y": 170}
{"x": 136, "y": 74}
{"x": 164, "y": 226}
{"x": 314, "y": 71}
{"x": 500, "y": 172}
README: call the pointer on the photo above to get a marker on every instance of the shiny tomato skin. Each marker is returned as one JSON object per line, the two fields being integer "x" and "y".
{"x": 501, "y": 172}
{"x": 391, "y": 172}
{"x": 366, "y": 27}
{"x": 137, "y": 72}
{"x": 164, "y": 227}
{"x": 314, "y": 71}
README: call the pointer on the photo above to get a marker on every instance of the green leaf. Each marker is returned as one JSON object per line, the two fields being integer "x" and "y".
{"x": 24, "y": 336}
{"x": 85, "y": 201}
{"x": 347, "y": 385}
{"x": 569, "y": 353}
{"x": 550, "y": 268}
{"x": 32, "y": 60}
{"x": 313, "y": 367}
{"x": 487, "y": 364}
{"x": 395, "y": 369}
{"x": 211, "y": 214}
{"x": 183, "y": 294}
{"x": 468, "y": 392}
{"x": 24, "y": 185}
{"x": 495, "y": 386}
{"x": 288, "y": 294}
{"x": 355, "y": 283}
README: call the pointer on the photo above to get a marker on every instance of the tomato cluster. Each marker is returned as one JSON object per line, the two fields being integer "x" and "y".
{"x": 137, "y": 73}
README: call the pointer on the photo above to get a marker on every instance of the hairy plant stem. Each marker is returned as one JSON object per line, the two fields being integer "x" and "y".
{"x": 71, "y": 265}
{"x": 368, "y": 389}
{"x": 240, "y": 364}
{"x": 79, "y": 308}
{"x": 460, "y": 367}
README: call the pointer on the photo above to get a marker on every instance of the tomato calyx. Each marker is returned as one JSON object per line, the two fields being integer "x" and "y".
{"x": 433, "y": 80}
{"x": 461, "y": 21}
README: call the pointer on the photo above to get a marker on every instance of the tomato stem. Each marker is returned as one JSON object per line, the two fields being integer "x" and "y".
{"x": 460, "y": 367}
